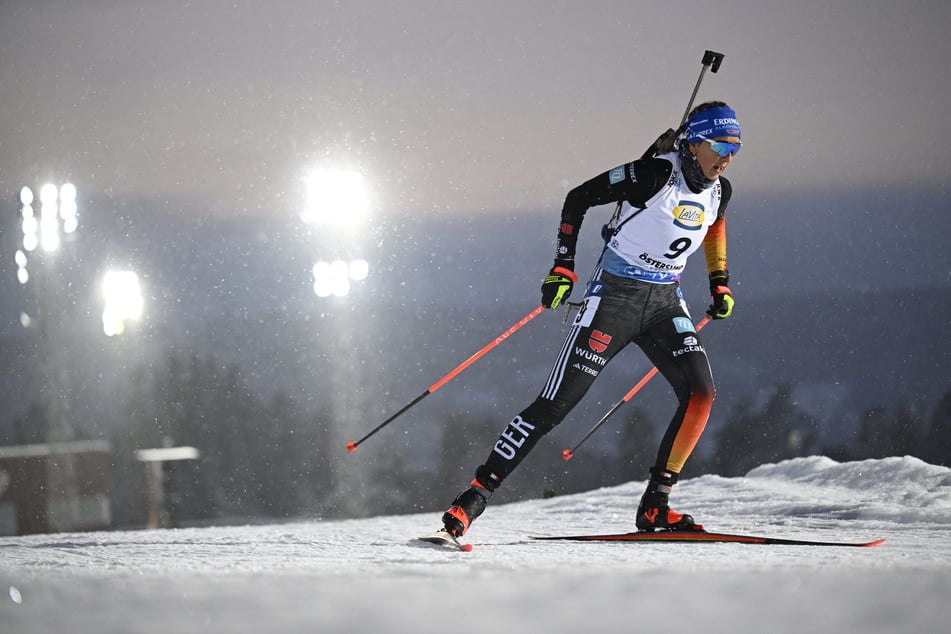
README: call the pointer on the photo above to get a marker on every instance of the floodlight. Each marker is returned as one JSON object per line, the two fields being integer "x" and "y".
{"x": 48, "y": 194}
{"x": 30, "y": 225}
{"x": 335, "y": 197}
{"x": 30, "y": 241}
{"x": 340, "y": 274}
{"x": 333, "y": 278}
{"x": 49, "y": 224}
{"x": 359, "y": 269}
{"x": 49, "y": 241}
{"x": 67, "y": 207}
{"x": 67, "y": 193}
{"x": 123, "y": 301}
{"x": 23, "y": 276}
{"x": 322, "y": 280}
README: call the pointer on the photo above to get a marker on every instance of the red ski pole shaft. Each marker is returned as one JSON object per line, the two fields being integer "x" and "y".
{"x": 568, "y": 453}
{"x": 352, "y": 445}
{"x": 505, "y": 335}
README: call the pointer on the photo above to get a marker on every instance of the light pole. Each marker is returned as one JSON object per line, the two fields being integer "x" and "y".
{"x": 43, "y": 236}
{"x": 336, "y": 207}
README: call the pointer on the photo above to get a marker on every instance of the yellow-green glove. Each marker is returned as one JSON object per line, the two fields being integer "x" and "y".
{"x": 557, "y": 285}
{"x": 722, "y": 306}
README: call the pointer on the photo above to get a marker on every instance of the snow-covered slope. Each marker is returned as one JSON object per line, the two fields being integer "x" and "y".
{"x": 372, "y": 576}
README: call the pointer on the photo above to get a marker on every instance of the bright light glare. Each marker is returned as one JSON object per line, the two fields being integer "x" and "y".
{"x": 30, "y": 224}
{"x": 333, "y": 278}
{"x": 30, "y": 241}
{"x": 67, "y": 207}
{"x": 340, "y": 273}
{"x": 359, "y": 269}
{"x": 49, "y": 226}
{"x": 67, "y": 193}
{"x": 123, "y": 301}
{"x": 323, "y": 281}
{"x": 49, "y": 241}
{"x": 23, "y": 276}
{"x": 48, "y": 194}
{"x": 56, "y": 203}
{"x": 337, "y": 197}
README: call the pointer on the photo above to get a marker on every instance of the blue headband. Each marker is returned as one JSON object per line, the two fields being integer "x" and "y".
{"x": 712, "y": 123}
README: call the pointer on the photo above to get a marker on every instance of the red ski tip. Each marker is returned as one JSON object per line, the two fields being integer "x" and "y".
{"x": 466, "y": 547}
{"x": 351, "y": 446}
{"x": 566, "y": 454}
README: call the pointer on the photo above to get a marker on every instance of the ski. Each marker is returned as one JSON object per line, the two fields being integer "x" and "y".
{"x": 444, "y": 539}
{"x": 697, "y": 537}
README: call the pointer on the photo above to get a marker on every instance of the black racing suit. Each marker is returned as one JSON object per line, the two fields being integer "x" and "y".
{"x": 617, "y": 311}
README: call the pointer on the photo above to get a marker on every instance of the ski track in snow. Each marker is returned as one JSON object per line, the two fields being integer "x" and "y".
{"x": 371, "y": 575}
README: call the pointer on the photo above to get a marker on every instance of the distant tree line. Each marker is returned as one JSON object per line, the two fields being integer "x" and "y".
{"x": 270, "y": 458}
{"x": 781, "y": 430}
{"x": 258, "y": 458}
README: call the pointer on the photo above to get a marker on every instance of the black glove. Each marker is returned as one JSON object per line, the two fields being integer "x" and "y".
{"x": 557, "y": 285}
{"x": 722, "y": 306}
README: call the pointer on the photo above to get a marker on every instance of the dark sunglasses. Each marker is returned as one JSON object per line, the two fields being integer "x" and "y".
{"x": 722, "y": 148}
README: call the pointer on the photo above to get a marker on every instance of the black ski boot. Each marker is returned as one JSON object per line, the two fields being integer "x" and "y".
{"x": 469, "y": 504}
{"x": 654, "y": 511}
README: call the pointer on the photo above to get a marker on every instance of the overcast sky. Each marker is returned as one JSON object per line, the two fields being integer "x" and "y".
{"x": 460, "y": 106}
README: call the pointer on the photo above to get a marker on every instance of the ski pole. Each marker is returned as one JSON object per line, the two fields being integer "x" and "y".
{"x": 352, "y": 445}
{"x": 665, "y": 140}
{"x": 568, "y": 453}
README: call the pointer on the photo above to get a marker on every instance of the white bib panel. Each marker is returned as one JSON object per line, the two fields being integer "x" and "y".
{"x": 652, "y": 244}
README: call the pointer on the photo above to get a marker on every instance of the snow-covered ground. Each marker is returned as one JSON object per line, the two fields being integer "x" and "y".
{"x": 371, "y": 576}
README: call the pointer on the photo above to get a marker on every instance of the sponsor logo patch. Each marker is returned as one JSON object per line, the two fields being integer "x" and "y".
{"x": 689, "y": 215}
{"x": 682, "y": 325}
{"x": 599, "y": 341}
{"x": 695, "y": 347}
{"x": 586, "y": 369}
{"x": 595, "y": 289}
{"x": 591, "y": 356}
